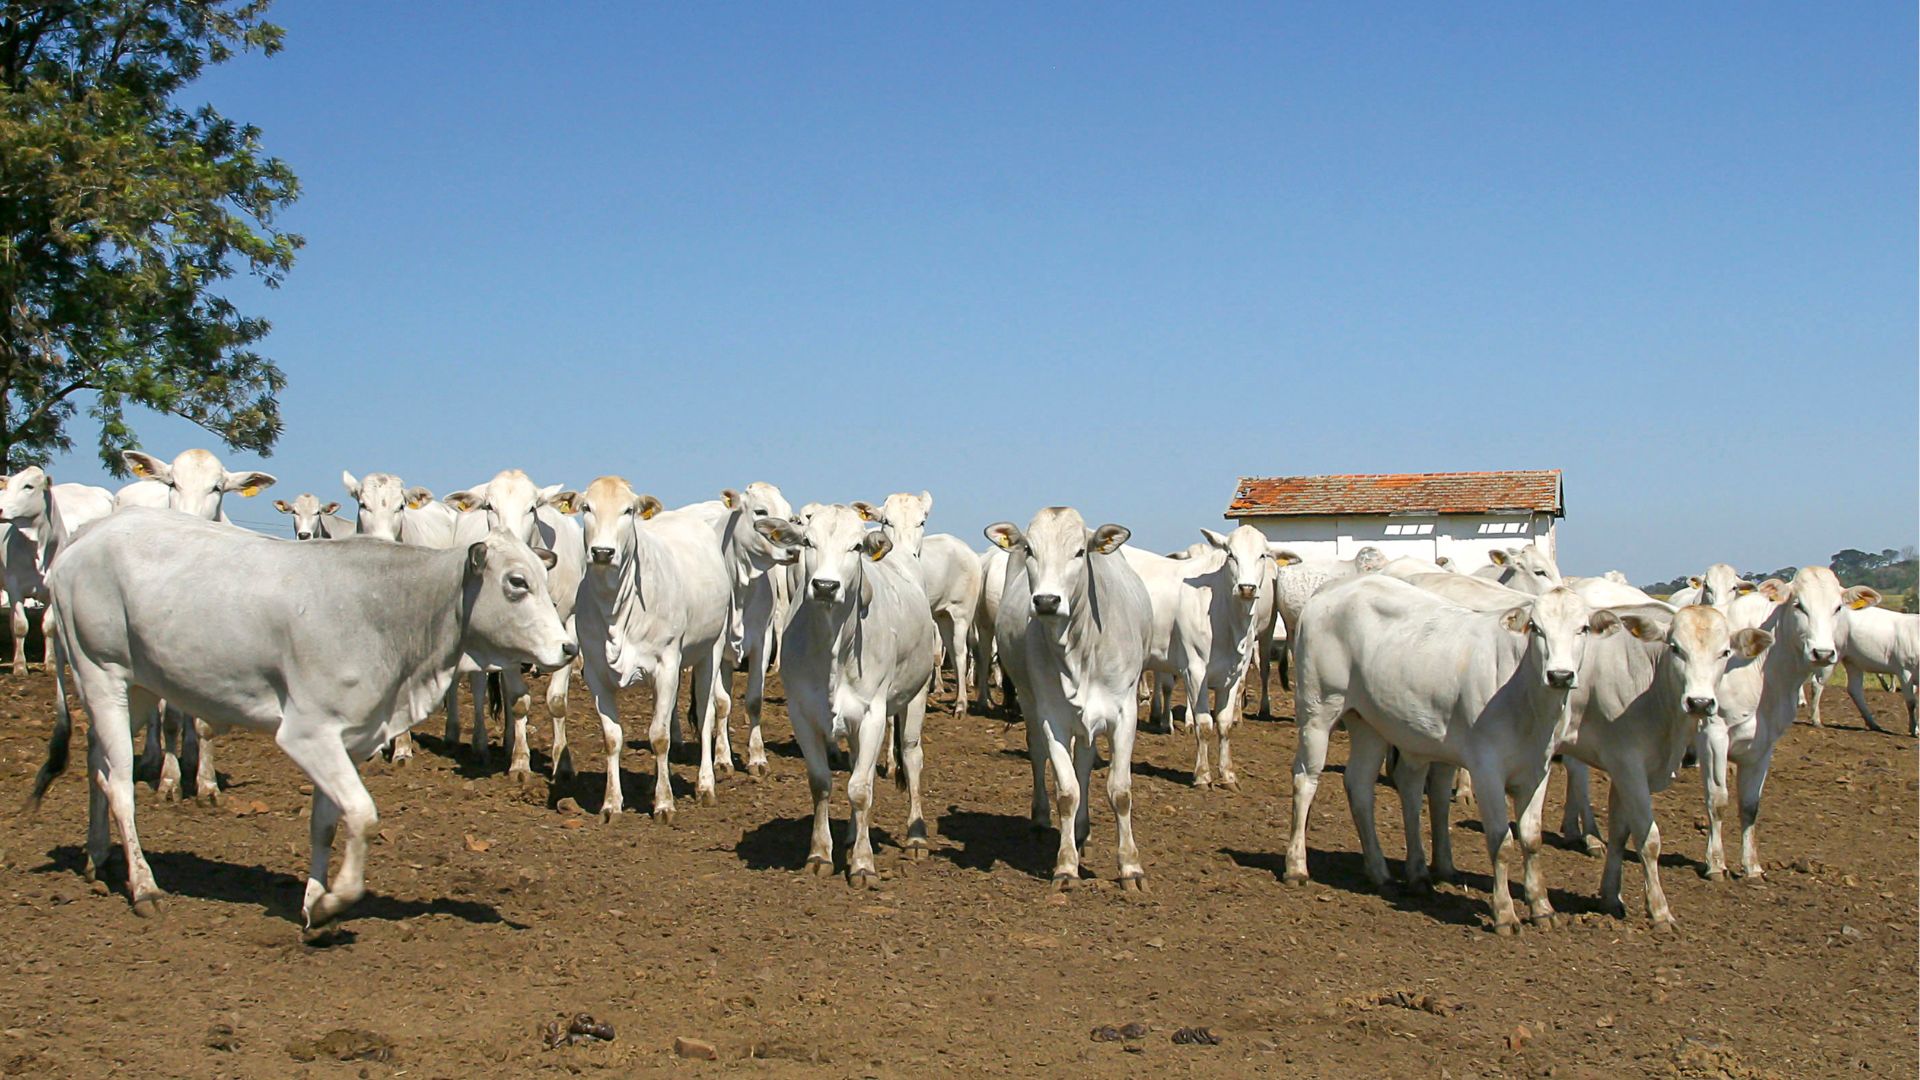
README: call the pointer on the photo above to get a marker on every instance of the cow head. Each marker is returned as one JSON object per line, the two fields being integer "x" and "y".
{"x": 25, "y": 500}
{"x": 1557, "y": 624}
{"x": 758, "y": 502}
{"x": 903, "y": 517}
{"x": 510, "y": 615}
{"x": 1720, "y": 585}
{"x": 1249, "y": 560}
{"x": 1370, "y": 559}
{"x": 307, "y": 512}
{"x": 1700, "y": 645}
{"x": 382, "y": 498}
{"x": 1058, "y": 549}
{"x": 1808, "y": 608}
{"x": 835, "y": 548}
{"x": 607, "y": 509}
{"x": 509, "y": 500}
{"x": 196, "y": 480}
{"x": 1528, "y": 562}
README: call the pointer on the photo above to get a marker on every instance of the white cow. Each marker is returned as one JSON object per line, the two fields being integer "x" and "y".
{"x": 512, "y": 502}
{"x": 950, "y": 574}
{"x": 860, "y": 653}
{"x": 333, "y": 648}
{"x": 1757, "y": 701}
{"x": 655, "y": 600}
{"x": 1873, "y": 639}
{"x": 1716, "y": 588}
{"x": 756, "y": 570}
{"x": 194, "y": 484}
{"x": 1484, "y": 691}
{"x": 1641, "y": 700}
{"x": 1074, "y": 629}
{"x": 312, "y": 521}
{"x": 1604, "y": 592}
{"x": 986, "y": 614}
{"x": 40, "y": 518}
{"x": 1295, "y": 582}
{"x": 1529, "y": 569}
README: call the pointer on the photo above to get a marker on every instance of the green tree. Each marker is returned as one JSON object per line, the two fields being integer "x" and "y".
{"x": 121, "y": 212}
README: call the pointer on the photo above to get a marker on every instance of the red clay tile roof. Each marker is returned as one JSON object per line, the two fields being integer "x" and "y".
{"x": 1394, "y": 493}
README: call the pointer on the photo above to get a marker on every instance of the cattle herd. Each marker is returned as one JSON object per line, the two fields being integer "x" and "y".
{"x": 171, "y": 620}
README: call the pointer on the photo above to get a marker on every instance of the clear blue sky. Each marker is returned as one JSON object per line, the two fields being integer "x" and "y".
{"x": 1109, "y": 256}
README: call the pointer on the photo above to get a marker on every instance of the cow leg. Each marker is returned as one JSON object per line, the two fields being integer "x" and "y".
{"x": 666, "y": 691}
{"x": 811, "y": 734}
{"x": 1084, "y": 752}
{"x": 1316, "y": 720}
{"x": 912, "y": 757}
{"x": 706, "y": 684}
{"x": 107, "y": 695}
{"x": 607, "y": 707}
{"x": 723, "y": 714}
{"x": 172, "y": 735}
{"x": 19, "y": 635}
{"x": 1532, "y": 803}
{"x": 1410, "y": 781}
{"x": 520, "y": 707}
{"x": 402, "y": 748}
{"x": 1066, "y": 799}
{"x": 1201, "y": 721}
{"x": 1577, "y": 826}
{"x": 957, "y": 648}
{"x": 1037, "y": 757}
{"x": 47, "y": 630}
{"x": 1710, "y": 746}
{"x": 1133, "y": 875}
{"x": 1439, "y": 784}
{"x": 885, "y": 764}
{"x": 557, "y": 686}
{"x": 1225, "y": 716}
{"x": 1463, "y": 786}
{"x": 1910, "y": 692}
{"x": 1857, "y": 690}
{"x": 941, "y": 645}
{"x": 1499, "y": 836}
{"x": 1617, "y": 831}
{"x": 983, "y": 665}
{"x": 867, "y": 736}
{"x": 1263, "y": 651}
{"x": 1813, "y": 690}
{"x": 206, "y": 781}
{"x": 757, "y": 662}
{"x": 1160, "y": 704}
{"x": 477, "y": 687}
{"x": 452, "y": 736}
{"x": 338, "y": 796}
{"x": 1365, "y": 751}
{"x": 153, "y": 758}
{"x": 1753, "y": 780}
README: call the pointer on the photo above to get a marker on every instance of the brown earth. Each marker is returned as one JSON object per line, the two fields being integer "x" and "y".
{"x": 495, "y": 912}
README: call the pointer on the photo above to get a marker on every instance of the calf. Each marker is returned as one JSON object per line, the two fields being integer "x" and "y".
{"x": 333, "y": 648}
{"x": 950, "y": 574}
{"x": 311, "y": 521}
{"x": 655, "y": 600}
{"x": 858, "y": 656}
{"x": 756, "y": 569}
{"x": 1295, "y": 582}
{"x": 1881, "y": 641}
{"x": 40, "y": 517}
{"x": 1484, "y": 691}
{"x": 1074, "y": 630}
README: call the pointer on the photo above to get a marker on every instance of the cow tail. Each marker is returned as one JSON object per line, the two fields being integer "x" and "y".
{"x": 497, "y": 698}
{"x": 62, "y": 736}
{"x": 899, "y": 755}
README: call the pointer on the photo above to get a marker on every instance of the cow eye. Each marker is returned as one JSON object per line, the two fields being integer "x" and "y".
{"x": 759, "y": 512}
{"x": 1799, "y": 607}
{"x": 518, "y": 581}
{"x": 1081, "y": 554}
{"x": 1539, "y": 573}
{"x": 1586, "y": 629}
{"x": 1724, "y": 653}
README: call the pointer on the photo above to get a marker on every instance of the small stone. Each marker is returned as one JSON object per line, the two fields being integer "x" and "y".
{"x": 1520, "y": 1036}
{"x": 699, "y": 1049}
{"x": 569, "y": 805}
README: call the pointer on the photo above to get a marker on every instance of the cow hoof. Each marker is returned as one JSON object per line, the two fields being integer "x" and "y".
{"x": 862, "y": 879}
{"x": 1616, "y": 909}
{"x": 818, "y": 867}
{"x": 1506, "y": 929}
{"x": 1596, "y": 847}
{"x": 1063, "y": 882}
{"x": 663, "y": 815}
{"x": 399, "y": 759}
{"x": 1201, "y": 783}
{"x": 148, "y": 907}
{"x": 608, "y": 814}
{"x": 1753, "y": 875}
{"x": 1543, "y": 922}
{"x": 208, "y": 799}
{"x": 1420, "y": 886}
{"x": 1665, "y": 927}
{"x": 522, "y": 777}
{"x": 1135, "y": 884}
{"x": 1231, "y": 785}
{"x": 723, "y": 764}
{"x": 169, "y": 791}
{"x": 96, "y": 886}
{"x": 708, "y": 796}
{"x": 758, "y": 770}
{"x": 1296, "y": 880}
{"x": 1443, "y": 876}
{"x": 915, "y": 852}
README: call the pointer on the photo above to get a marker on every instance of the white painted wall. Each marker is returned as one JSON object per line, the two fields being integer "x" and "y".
{"x": 1464, "y": 538}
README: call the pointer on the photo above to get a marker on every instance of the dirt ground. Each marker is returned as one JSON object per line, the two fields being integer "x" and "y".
{"x": 495, "y": 910}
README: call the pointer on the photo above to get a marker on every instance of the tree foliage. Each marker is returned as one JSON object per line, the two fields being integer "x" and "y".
{"x": 121, "y": 212}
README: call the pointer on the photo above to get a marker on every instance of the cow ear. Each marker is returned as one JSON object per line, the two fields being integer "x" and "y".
{"x": 865, "y": 510}
{"x": 1284, "y": 557}
{"x": 730, "y": 499}
{"x": 351, "y": 483}
{"x": 477, "y": 556}
{"x": 1751, "y": 643}
{"x": 281, "y": 505}
{"x": 546, "y": 557}
{"x": 646, "y": 506}
{"x": 1744, "y": 587}
{"x": 464, "y": 501}
{"x": 1776, "y": 590}
{"x": 1444, "y": 562}
{"x": 1107, "y": 539}
{"x": 1641, "y": 627}
{"x": 1517, "y": 619}
{"x": 566, "y": 502}
{"x": 1216, "y": 539}
{"x": 418, "y": 497}
{"x": 781, "y": 531}
{"x": 1004, "y": 534}
{"x": 876, "y": 545}
{"x": 926, "y": 502}
{"x": 147, "y": 467}
{"x": 1603, "y": 622}
{"x": 330, "y": 508}
{"x": 1498, "y": 557}
{"x": 248, "y": 484}
{"x": 1694, "y": 582}
{"x": 1860, "y": 596}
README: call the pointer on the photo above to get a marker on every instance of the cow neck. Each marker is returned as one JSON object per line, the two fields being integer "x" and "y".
{"x": 1783, "y": 670}
{"x": 449, "y": 619}
{"x": 52, "y": 533}
{"x": 1540, "y": 699}
{"x": 1083, "y": 614}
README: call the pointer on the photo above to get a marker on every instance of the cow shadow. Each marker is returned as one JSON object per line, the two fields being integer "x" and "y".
{"x": 588, "y": 789}
{"x": 183, "y": 873}
{"x": 1346, "y": 871}
{"x": 979, "y": 841}
{"x": 783, "y": 843}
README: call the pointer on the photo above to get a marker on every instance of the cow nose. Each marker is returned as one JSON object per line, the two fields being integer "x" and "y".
{"x": 1246, "y": 592}
{"x": 601, "y": 555}
{"x": 1560, "y": 679}
{"x": 1046, "y": 603}
{"x": 1821, "y": 657}
{"x": 303, "y": 536}
{"x": 1702, "y": 706}
{"x": 825, "y": 588}
{"x": 569, "y": 650}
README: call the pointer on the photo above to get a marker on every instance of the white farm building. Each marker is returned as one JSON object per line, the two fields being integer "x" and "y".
{"x": 1462, "y": 515}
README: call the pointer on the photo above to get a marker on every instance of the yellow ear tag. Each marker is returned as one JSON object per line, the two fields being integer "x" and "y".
{"x": 1860, "y": 603}
{"x": 250, "y": 491}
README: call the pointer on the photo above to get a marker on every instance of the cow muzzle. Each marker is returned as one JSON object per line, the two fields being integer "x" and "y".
{"x": 1560, "y": 679}
{"x": 1046, "y": 603}
{"x": 1820, "y": 657}
{"x": 601, "y": 556}
{"x": 1702, "y": 706}
{"x": 1245, "y": 592}
{"x": 303, "y": 536}
{"x": 824, "y": 589}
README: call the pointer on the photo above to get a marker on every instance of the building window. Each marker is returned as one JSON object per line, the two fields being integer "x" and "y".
{"x": 1503, "y": 528}
{"x": 1411, "y": 529}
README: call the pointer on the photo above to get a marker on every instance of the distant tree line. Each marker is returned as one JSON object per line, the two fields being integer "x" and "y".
{"x": 1889, "y": 570}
